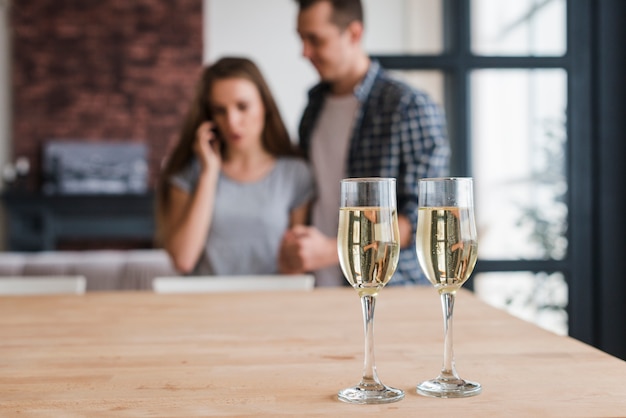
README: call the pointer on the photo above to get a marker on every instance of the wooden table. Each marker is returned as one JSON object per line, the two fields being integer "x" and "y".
{"x": 284, "y": 354}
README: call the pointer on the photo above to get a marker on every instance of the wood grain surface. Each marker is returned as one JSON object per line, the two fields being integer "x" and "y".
{"x": 285, "y": 354}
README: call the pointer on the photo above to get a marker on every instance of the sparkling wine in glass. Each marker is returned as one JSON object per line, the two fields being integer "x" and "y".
{"x": 368, "y": 244}
{"x": 447, "y": 249}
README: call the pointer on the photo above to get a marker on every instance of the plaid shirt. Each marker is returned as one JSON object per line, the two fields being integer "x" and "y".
{"x": 398, "y": 132}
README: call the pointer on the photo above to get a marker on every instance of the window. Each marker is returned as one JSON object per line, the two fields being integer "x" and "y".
{"x": 519, "y": 28}
{"x": 518, "y": 145}
{"x": 505, "y": 73}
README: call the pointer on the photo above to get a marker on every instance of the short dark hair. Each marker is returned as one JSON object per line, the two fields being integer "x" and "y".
{"x": 344, "y": 11}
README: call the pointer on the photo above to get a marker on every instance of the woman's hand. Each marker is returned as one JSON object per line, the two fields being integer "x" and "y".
{"x": 305, "y": 249}
{"x": 190, "y": 214}
{"x": 207, "y": 147}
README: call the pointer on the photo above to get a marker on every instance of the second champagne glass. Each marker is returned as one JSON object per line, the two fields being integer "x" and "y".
{"x": 447, "y": 250}
{"x": 368, "y": 244}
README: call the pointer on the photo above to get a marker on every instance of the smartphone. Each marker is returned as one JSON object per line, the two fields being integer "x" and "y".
{"x": 216, "y": 138}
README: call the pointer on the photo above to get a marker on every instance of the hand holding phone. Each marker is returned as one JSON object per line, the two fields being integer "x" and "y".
{"x": 208, "y": 145}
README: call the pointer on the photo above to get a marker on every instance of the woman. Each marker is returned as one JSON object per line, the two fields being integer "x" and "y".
{"x": 234, "y": 183}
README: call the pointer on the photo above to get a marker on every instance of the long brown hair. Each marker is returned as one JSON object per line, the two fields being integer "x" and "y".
{"x": 274, "y": 137}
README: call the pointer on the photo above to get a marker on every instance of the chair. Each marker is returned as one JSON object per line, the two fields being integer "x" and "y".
{"x": 232, "y": 283}
{"x": 42, "y": 285}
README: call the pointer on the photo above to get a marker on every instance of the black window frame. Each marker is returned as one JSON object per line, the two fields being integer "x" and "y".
{"x": 456, "y": 62}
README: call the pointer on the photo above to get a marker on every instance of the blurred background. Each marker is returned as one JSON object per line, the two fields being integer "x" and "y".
{"x": 92, "y": 95}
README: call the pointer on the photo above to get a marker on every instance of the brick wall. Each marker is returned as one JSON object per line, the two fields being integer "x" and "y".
{"x": 105, "y": 70}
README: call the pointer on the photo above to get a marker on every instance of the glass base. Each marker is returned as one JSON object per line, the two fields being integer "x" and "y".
{"x": 444, "y": 388}
{"x": 361, "y": 394}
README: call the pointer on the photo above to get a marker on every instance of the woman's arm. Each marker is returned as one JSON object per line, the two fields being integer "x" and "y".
{"x": 299, "y": 215}
{"x": 188, "y": 216}
{"x": 187, "y": 223}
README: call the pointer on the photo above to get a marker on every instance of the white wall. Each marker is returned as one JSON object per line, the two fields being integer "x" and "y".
{"x": 264, "y": 31}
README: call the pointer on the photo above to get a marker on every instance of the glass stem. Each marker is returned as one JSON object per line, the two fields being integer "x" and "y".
{"x": 448, "y": 371}
{"x": 370, "y": 378}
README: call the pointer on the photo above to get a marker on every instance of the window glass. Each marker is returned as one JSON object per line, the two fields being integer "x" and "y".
{"x": 539, "y": 298}
{"x": 400, "y": 27}
{"x": 520, "y": 27}
{"x": 518, "y": 146}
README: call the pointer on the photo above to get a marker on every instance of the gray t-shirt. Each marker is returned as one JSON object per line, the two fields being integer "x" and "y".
{"x": 250, "y": 218}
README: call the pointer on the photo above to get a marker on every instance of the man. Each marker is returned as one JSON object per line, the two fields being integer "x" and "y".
{"x": 359, "y": 122}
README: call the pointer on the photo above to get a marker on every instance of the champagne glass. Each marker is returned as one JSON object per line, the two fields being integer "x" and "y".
{"x": 368, "y": 244}
{"x": 447, "y": 249}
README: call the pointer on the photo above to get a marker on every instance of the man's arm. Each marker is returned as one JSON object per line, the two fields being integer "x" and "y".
{"x": 424, "y": 140}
